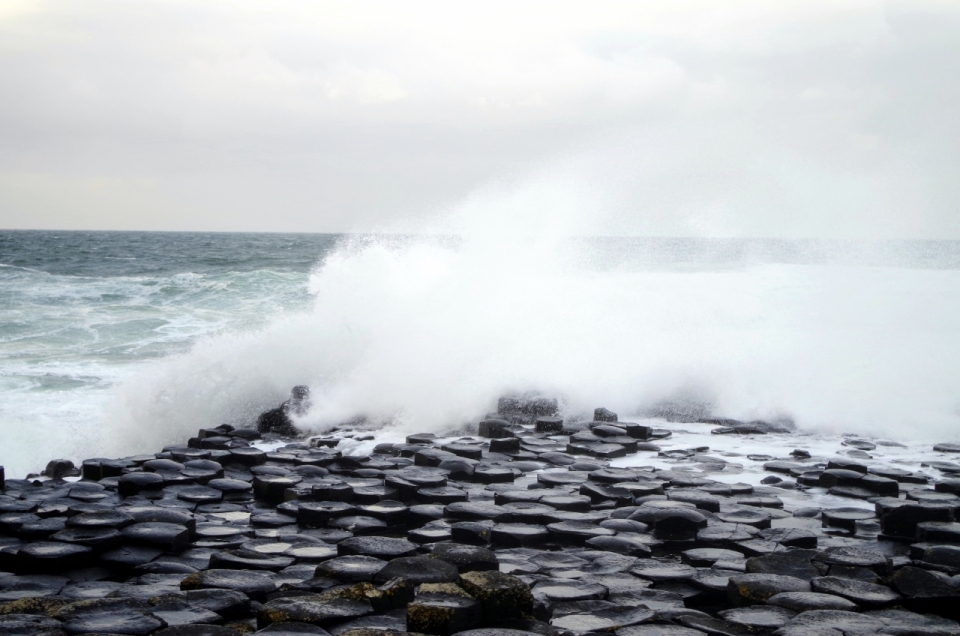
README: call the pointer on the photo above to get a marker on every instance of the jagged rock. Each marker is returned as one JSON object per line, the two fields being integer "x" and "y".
{"x": 278, "y": 420}
{"x": 60, "y": 468}
{"x": 495, "y": 428}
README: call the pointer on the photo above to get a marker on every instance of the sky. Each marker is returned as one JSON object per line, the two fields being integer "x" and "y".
{"x": 807, "y": 119}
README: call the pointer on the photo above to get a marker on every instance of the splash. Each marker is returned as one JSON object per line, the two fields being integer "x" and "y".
{"x": 424, "y": 333}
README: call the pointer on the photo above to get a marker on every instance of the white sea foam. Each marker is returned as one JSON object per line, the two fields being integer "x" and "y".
{"x": 423, "y": 334}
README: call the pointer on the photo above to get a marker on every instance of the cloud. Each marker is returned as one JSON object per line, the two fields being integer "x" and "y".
{"x": 735, "y": 118}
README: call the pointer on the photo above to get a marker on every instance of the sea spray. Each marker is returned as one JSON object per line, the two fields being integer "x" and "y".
{"x": 422, "y": 334}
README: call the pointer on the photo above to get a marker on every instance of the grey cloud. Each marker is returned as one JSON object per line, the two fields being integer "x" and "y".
{"x": 757, "y": 119}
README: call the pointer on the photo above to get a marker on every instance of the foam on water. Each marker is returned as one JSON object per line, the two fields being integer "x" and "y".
{"x": 421, "y": 333}
{"x": 425, "y": 336}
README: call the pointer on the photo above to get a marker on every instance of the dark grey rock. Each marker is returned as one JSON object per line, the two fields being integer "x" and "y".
{"x": 443, "y": 614}
{"x": 758, "y": 618}
{"x": 806, "y": 601}
{"x": 860, "y": 592}
{"x": 255, "y": 585}
{"x": 379, "y": 547}
{"x": 417, "y": 570}
{"x": 313, "y": 610}
{"x": 351, "y": 568}
{"x": 747, "y": 589}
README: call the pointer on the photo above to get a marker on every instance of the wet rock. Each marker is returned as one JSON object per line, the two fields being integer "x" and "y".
{"x": 313, "y": 610}
{"x": 947, "y": 448}
{"x": 938, "y": 531}
{"x": 662, "y": 572}
{"x": 904, "y": 623}
{"x": 29, "y": 625}
{"x": 748, "y": 589}
{"x": 758, "y": 618}
{"x": 602, "y": 620}
{"x": 196, "y": 630}
{"x": 899, "y": 518}
{"x": 856, "y": 557}
{"x": 514, "y": 535}
{"x": 806, "y": 601}
{"x": 659, "y": 629}
{"x": 795, "y": 563}
{"x": 241, "y": 559}
{"x": 148, "y": 514}
{"x": 443, "y": 614}
{"x": 52, "y": 556}
{"x": 677, "y": 524}
{"x": 821, "y": 622}
{"x": 229, "y": 604}
{"x": 417, "y": 570}
{"x": 790, "y": 537}
{"x": 474, "y": 511}
{"x": 635, "y": 545}
{"x": 494, "y": 428}
{"x": 576, "y": 532}
{"x": 604, "y": 415}
{"x": 845, "y": 518}
{"x": 255, "y": 585}
{"x": 503, "y": 596}
{"x": 556, "y": 591}
{"x": 925, "y": 592}
{"x": 706, "y": 557}
{"x": 60, "y": 468}
{"x": 169, "y": 537}
{"x": 746, "y": 516}
{"x": 393, "y": 594}
{"x": 378, "y": 547}
{"x": 97, "y": 538}
{"x": 119, "y": 621}
{"x": 136, "y": 483}
{"x": 316, "y": 514}
{"x": 351, "y": 568}
{"x": 860, "y": 592}
{"x": 568, "y": 503}
{"x": 466, "y": 558}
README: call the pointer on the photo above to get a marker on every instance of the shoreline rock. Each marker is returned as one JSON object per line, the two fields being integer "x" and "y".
{"x": 524, "y": 529}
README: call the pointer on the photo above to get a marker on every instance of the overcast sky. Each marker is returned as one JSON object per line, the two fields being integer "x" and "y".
{"x": 767, "y": 118}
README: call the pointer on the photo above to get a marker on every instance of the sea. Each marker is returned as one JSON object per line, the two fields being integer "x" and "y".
{"x": 118, "y": 343}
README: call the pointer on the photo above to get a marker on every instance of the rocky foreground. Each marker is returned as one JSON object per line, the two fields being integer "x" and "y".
{"x": 524, "y": 528}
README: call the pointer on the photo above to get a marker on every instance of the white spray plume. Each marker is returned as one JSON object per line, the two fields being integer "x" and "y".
{"x": 425, "y": 332}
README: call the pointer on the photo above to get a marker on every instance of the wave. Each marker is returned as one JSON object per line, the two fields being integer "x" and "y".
{"x": 420, "y": 335}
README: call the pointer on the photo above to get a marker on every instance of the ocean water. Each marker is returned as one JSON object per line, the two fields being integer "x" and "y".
{"x": 119, "y": 343}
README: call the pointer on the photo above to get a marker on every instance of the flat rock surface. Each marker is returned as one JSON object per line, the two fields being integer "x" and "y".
{"x": 722, "y": 527}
